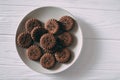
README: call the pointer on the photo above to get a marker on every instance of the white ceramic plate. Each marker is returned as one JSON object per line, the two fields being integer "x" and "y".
{"x": 43, "y": 14}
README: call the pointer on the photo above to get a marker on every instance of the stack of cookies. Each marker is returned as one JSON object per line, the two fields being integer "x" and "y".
{"x": 47, "y": 43}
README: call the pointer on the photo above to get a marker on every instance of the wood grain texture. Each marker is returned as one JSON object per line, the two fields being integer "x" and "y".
{"x": 85, "y": 4}
{"x": 99, "y": 62}
{"x": 100, "y": 23}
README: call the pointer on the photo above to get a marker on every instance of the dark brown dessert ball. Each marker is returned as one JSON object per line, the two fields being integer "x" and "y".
{"x": 47, "y": 60}
{"x": 66, "y": 38}
{"x": 52, "y": 26}
{"x": 37, "y": 32}
{"x": 24, "y": 40}
{"x": 47, "y": 41}
{"x": 31, "y": 23}
{"x": 63, "y": 56}
{"x": 67, "y": 22}
{"x": 34, "y": 52}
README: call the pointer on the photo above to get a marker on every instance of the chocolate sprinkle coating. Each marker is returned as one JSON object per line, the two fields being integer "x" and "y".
{"x": 67, "y": 22}
{"x": 47, "y": 60}
{"x": 47, "y": 41}
{"x": 66, "y": 39}
{"x": 63, "y": 56}
{"x": 34, "y": 52}
{"x": 52, "y": 26}
{"x": 48, "y": 51}
{"x": 24, "y": 40}
{"x": 37, "y": 32}
{"x": 31, "y": 23}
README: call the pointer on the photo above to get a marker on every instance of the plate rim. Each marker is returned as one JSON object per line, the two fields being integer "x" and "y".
{"x": 80, "y": 50}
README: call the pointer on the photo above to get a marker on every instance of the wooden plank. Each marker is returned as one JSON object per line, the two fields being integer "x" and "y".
{"x": 86, "y": 4}
{"x": 99, "y": 60}
{"x": 99, "y": 19}
{"x": 98, "y": 24}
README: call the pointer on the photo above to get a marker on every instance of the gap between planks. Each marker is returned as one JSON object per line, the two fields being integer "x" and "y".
{"x": 58, "y": 6}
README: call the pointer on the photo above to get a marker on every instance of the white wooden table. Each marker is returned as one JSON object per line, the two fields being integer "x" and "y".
{"x": 100, "y": 22}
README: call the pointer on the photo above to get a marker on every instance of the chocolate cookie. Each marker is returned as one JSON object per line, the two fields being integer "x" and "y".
{"x": 34, "y": 52}
{"x": 24, "y": 40}
{"x": 47, "y": 41}
{"x": 37, "y": 32}
{"x": 66, "y": 39}
{"x": 67, "y": 22}
{"x": 47, "y": 60}
{"x": 48, "y": 51}
{"x": 63, "y": 56}
{"x": 53, "y": 50}
{"x": 31, "y": 23}
{"x": 52, "y": 26}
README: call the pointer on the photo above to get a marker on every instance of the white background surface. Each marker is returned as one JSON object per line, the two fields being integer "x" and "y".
{"x": 100, "y": 22}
